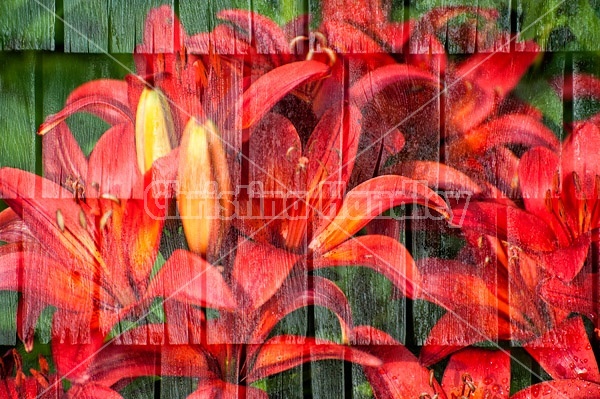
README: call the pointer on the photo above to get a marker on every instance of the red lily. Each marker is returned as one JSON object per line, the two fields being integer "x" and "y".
{"x": 482, "y": 373}
{"x": 80, "y": 251}
{"x": 560, "y": 217}
{"x": 235, "y": 346}
{"x": 41, "y": 384}
{"x": 491, "y": 294}
{"x": 322, "y": 222}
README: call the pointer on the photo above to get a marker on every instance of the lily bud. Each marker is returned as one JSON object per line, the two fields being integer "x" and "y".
{"x": 204, "y": 195}
{"x": 154, "y": 128}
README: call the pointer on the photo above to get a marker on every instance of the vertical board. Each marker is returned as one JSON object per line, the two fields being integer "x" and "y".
{"x": 357, "y": 28}
{"x": 327, "y": 379}
{"x": 558, "y": 25}
{"x": 219, "y": 37}
{"x": 85, "y": 26}
{"x": 127, "y": 20}
{"x": 27, "y": 25}
{"x": 493, "y": 34}
{"x": 423, "y": 39}
{"x": 275, "y": 27}
{"x": 18, "y": 105}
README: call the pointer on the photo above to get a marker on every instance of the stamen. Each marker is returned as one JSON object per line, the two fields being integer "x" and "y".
{"x": 556, "y": 182}
{"x": 112, "y": 198}
{"x": 289, "y": 152}
{"x": 60, "y": 220}
{"x": 40, "y": 378}
{"x": 297, "y": 40}
{"x": 302, "y": 164}
{"x": 331, "y": 54}
{"x": 82, "y": 219}
{"x": 200, "y": 73}
{"x": 320, "y": 38}
{"x": 562, "y": 213}
{"x": 548, "y": 201}
{"x": 104, "y": 219}
{"x": 577, "y": 183}
{"x": 468, "y": 384}
{"x": 44, "y": 367}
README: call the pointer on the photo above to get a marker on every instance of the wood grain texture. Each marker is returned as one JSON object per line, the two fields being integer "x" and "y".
{"x": 85, "y": 26}
{"x": 203, "y": 17}
{"x": 127, "y": 23}
{"x": 27, "y": 25}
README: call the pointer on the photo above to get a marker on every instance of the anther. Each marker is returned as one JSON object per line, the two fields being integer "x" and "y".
{"x": 556, "y": 182}
{"x": 40, "y": 378}
{"x": 331, "y": 54}
{"x": 548, "y": 201}
{"x": 468, "y": 384}
{"x": 562, "y": 212}
{"x": 577, "y": 182}
{"x": 112, "y": 198}
{"x": 302, "y": 163}
{"x": 82, "y": 219}
{"x": 104, "y": 218}
{"x": 296, "y": 40}
{"x": 60, "y": 220}
{"x": 44, "y": 367}
{"x": 289, "y": 152}
{"x": 320, "y": 38}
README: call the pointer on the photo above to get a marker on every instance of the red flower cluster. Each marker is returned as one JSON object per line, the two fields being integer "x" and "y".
{"x": 251, "y": 157}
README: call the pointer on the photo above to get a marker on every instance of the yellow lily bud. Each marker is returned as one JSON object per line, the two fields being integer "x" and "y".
{"x": 204, "y": 194}
{"x": 154, "y": 128}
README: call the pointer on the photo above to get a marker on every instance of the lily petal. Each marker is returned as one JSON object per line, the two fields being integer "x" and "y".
{"x": 400, "y": 375}
{"x": 188, "y": 278}
{"x": 370, "y": 199}
{"x": 107, "y": 108}
{"x": 518, "y": 226}
{"x": 436, "y": 175}
{"x": 560, "y": 389}
{"x": 383, "y": 254}
{"x": 565, "y": 352}
{"x": 573, "y": 296}
{"x": 113, "y": 168}
{"x": 367, "y": 87}
{"x": 275, "y": 357}
{"x": 453, "y": 332}
{"x": 63, "y": 160}
{"x": 297, "y": 293}
{"x": 271, "y": 87}
{"x": 580, "y": 156}
{"x": 260, "y": 269}
{"x": 489, "y": 371}
{"x": 51, "y": 214}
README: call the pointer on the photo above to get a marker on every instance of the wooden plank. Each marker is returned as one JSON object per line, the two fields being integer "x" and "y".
{"x": 557, "y": 25}
{"x": 327, "y": 379}
{"x": 289, "y": 15}
{"x": 223, "y": 37}
{"x": 423, "y": 39}
{"x": 493, "y": 36}
{"x": 127, "y": 19}
{"x": 18, "y": 105}
{"x": 358, "y": 27}
{"x": 27, "y": 25}
{"x": 86, "y": 26}
{"x": 460, "y": 28}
